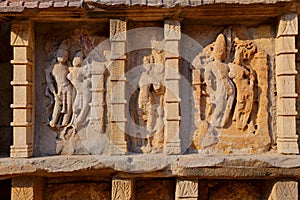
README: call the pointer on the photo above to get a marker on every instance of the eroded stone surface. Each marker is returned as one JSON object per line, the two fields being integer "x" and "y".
{"x": 78, "y": 191}
{"x": 242, "y": 89}
{"x": 156, "y": 165}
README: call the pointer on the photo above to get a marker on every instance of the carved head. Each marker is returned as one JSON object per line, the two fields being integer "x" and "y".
{"x": 62, "y": 55}
{"x": 219, "y": 51}
{"x": 244, "y": 51}
{"x": 147, "y": 63}
{"x": 77, "y": 60}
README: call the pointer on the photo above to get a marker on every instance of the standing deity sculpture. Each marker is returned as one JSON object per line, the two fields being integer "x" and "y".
{"x": 243, "y": 76}
{"x": 62, "y": 90}
{"x": 219, "y": 87}
{"x": 69, "y": 87}
{"x": 150, "y": 99}
{"x": 230, "y": 88}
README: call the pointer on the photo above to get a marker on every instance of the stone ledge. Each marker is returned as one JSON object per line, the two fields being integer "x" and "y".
{"x": 196, "y": 165}
{"x": 9, "y": 6}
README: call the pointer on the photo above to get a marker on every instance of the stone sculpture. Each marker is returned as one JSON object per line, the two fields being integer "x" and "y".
{"x": 150, "y": 100}
{"x": 79, "y": 77}
{"x": 219, "y": 87}
{"x": 71, "y": 87}
{"x": 63, "y": 91}
{"x": 226, "y": 90}
{"x": 243, "y": 76}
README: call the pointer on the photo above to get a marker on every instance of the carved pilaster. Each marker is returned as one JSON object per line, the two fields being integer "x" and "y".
{"x": 22, "y": 40}
{"x": 27, "y": 188}
{"x": 284, "y": 190}
{"x": 186, "y": 189}
{"x": 285, "y": 81}
{"x": 172, "y": 144}
{"x": 122, "y": 189}
{"x": 98, "y": 103}
{"x": 118, "y": 81}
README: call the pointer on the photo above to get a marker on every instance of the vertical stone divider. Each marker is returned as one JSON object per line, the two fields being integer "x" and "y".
{"x": 122, "y": 189}
{"x": 186, "y": 189}
{"x": 284, "y": 190}
{"x": 285, "y": 83}
{"x": 22, "y": 40}
{"x": 172, "y": 35}
{"x": 197, "y": 93}
{"x": 118, "y": 101}
{"x": 27, "y": 188}
{"x": 98, "y": 89}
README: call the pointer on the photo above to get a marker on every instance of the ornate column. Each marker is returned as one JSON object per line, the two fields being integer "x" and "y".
{"x": 172, "y": 34}
{"x": 284, "y": 190}
{"x": 122, "y": 189}
{"x": 22, "y": 40}
{"x": 285, "y": 82}
{"x": 27, "y": 188}
{"x": 117, "y": 89}
{"x": 186, "y": 189}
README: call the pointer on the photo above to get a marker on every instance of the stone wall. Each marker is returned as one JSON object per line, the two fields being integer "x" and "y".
{"x": 160, "y": 101}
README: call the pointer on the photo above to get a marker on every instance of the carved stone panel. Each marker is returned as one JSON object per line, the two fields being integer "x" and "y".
{"x": 187, "y": 189}
{"x": 75, "y": 64}
{"x": 122, "y": 189}
{"x": 27, "y": 188}
{"x": 146, "y": 90}
{"x": 231, "y": 93}
{"x": 284, "y": 190}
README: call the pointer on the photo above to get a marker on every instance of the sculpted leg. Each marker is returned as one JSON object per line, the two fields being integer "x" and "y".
{"x": 68, "y": 105}
{"x": 56, "y": 112}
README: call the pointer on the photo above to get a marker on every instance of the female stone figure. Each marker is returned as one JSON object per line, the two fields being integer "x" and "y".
{"x": 243, "y": 77}
{"x": 82, "y": 84}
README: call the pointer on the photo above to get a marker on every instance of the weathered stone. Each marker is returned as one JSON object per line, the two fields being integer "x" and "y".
{"x": 78, "y": 191}
{"x": 27, "y": 188}
{"x": 234, "y": 190}
{"x": 284, "y": 190}
{"x": 173, "y": 99}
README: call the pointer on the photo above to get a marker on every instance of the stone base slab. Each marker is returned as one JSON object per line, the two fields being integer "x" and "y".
{"x": 156, "y": 165}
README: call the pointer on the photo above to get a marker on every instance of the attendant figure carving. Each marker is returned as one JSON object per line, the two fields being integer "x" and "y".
{"x": 63, "y": 91}
{"x": 80, "y": 78}
{"x": 243, "y": 76}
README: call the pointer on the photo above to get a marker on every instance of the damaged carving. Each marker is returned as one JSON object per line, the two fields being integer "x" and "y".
{"x": 148, "y": 109}
{"x": 70, "y": 89}
{"x": 229, "y": 91}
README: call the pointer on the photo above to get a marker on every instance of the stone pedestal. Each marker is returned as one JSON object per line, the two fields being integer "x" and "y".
{"x": 122, "y": 189}
{"x": 186, "y": 189}
{"x": 285, "y": 81}
{"x": 284, "y": 190}
{"x": 22, "y": 41}
{"x": 117, "y": 89}
{"x": 172, "y": 34}
{"x": 27, "y": 188}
